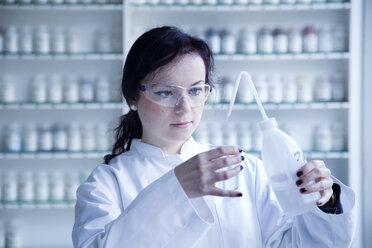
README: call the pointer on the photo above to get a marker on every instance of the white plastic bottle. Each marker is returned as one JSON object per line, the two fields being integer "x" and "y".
{"x": 281, "y": 157}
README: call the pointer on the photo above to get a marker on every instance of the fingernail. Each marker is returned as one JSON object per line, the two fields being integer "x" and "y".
{"x": 240, "y": 150}
{"x": 299, "y": 173}
{"x": 318, "y": 203}
{"x": 302, "y": 190}
{"x": 298, "y": 182}
{"x": 241, "y": 167}
{"x": 239, "y": 194}
{"x": 242, "y": 157}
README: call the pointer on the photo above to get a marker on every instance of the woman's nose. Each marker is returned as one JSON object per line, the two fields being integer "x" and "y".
{"x": 183, "y": 104}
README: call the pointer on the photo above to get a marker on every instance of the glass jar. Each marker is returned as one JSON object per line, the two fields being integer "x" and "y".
{"x": 275, "y": 89}
{"x": 228, "y": 89}
{"x": 289, "y": 89}
{"x": 294, "y": 40}
{"x": 244, "y": 136}
{"x": 30, "y": 138}
{"x": 338, "y": 87}
{"x": 102, "y": 89}
{"x": 339, "y": 38}
{"x": 261, "y": 87}
{"x": 41, "y": 187}
{"x": 323, "y": 138}
{"x": 322, "y": 89}
{"x": 25, "y": 41}
{"x": 11, "y": 40}
{"x": 7, "y": 89}
{"x": 58, "y": 41}
{"x": 71, "y": 186}
{"x": 45, "y": 138}
{"x": 213, "y": 40}
{"x": 74, "y": 138}
{"x": 310, "y": 38}
{"x": 38, "y": 89}
{"x": 71, "y": 89}
{"x": 25, "y": 187}
{"x": 72, "y": 42}
{"x": 10, "y": 189}
{"x": 325, "y": 39}
{"x": 338, "y": 136}
{"x": 13, "y": 140}
{"x": 265, "y": 41}
{"x": 244, "y": 94}
{"x": 304, "y": 89}
{"x": 248, "y": 41}
{"x": 88, "y": 140}
{"x": 228, "y": 42}
{"x": 102, "y": 141}
{"x": 55, "y": 90}
{"x": 56, "y": 187}
{"x": 14, "y": 238}
{"x": 42, "y": 40}
{"x": 103, "y": 41}
{"x": 280, "y": 40}
{"x": 59, "y": 137}
{"x": 86, "y": 89}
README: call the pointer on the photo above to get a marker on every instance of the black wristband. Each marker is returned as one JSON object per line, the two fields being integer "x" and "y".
{"x": 336, "y": 208}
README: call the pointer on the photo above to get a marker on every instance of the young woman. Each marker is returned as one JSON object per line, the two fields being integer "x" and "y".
{"x": 158, "y": 187}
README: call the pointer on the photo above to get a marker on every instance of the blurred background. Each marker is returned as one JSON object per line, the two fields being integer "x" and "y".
{"x": 60, "y": 73}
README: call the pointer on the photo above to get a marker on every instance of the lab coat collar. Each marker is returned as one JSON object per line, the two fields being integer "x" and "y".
{"x": 188, "y": 149}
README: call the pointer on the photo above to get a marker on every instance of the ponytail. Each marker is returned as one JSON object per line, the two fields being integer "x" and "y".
{"x": 130, "y": 127}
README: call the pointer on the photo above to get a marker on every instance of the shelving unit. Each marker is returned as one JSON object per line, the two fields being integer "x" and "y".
{"x": 345, "y": 164}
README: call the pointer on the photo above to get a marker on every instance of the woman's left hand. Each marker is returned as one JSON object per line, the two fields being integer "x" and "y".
{"x": 315, "y": 170}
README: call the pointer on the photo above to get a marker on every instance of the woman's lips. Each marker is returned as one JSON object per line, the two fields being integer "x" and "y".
{"x": 182, "y": 124}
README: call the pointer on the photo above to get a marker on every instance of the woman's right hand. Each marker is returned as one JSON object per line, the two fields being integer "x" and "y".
{"x": 199, "y": 174}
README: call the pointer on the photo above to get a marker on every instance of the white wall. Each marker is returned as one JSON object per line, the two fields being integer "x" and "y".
{"x": 367, "y": 124}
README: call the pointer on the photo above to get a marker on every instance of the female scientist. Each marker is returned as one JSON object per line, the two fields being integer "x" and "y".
{"x": 158, "y": 187}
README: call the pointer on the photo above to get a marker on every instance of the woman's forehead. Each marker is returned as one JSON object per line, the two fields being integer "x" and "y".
{"x": 184, "y": 71}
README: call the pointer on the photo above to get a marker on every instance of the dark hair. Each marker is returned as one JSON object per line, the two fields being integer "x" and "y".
{"x": 152, "y": 50}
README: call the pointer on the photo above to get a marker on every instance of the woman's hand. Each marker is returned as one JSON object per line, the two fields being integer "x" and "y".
{"x": 316, "y": 170}
{"x": 198, "y": 175}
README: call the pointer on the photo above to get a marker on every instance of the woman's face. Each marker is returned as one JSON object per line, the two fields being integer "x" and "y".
{"x": 169, "y": 127}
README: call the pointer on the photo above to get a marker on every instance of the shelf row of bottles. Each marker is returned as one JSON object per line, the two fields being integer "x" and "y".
{"x": 302, "y": 88}
{"x": 247, "y": 136}
{"x": 60, "y": 137}
{"x": 218, "y": 57}
{"x": 46, "y": 40}
{"x": 176, "y": 7}
{"x": 208, "y": 106}
{"x": 58, "y": 89}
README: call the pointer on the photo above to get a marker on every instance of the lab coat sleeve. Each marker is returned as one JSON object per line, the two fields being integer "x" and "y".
{"x": 160, "y": 216}
{"x": 311, "y": 229}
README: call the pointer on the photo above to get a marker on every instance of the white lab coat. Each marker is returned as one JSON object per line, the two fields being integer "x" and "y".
{"x": 137, "y": 201}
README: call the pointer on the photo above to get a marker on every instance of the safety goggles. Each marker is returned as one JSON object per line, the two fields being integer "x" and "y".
{"x": 171, "y": 95}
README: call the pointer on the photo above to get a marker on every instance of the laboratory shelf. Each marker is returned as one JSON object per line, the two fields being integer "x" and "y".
{"x": 285, "y": 56}
{"x": 60, "y": 106}
{"x": 99, "y": 7}
{"x": 37, "y": 205}
{"x": 281, "y": 106}
{"x": 53, "y": 155}
{"x": 78, "y": 56}
{"x": 249, "y": 7}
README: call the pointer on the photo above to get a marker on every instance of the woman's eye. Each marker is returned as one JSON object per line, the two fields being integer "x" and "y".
{"x": 195, "y": 91}
{"x": 164, "y": 93}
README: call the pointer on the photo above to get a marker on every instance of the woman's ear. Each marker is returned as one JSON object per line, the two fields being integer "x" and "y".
{"x": 133, "y": 107}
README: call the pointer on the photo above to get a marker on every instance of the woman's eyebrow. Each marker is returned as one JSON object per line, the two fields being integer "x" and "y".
{"x": 197, "y": 82}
